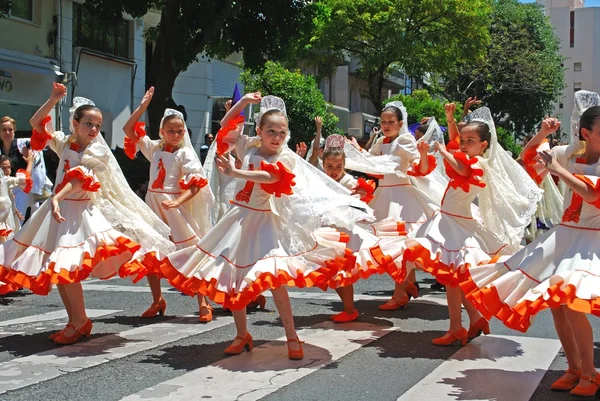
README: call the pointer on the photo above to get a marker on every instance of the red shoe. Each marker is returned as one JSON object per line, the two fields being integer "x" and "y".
{"x": 238, "y": 349}
{"x": 54, "y": 335}
{"x": 83, "y": 331}
{"x": 259, "y": 303}
{"x": 206, "y": 317}
{"x": 587, "y": 391}
{"x": 412, "y": 289}
{"x": 295, "y": 355}
{"x": 394, "y": 304}
{"x": 451, "y": 337}
{"x": 567, "y": 384}
{"x": 157, "y": 308}
{"x": 480, "y": 326}
{"x": 346, "y": 317}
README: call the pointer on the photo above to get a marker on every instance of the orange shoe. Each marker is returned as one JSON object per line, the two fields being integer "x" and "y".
{"x": 587, "y": 391}
{"x": 54, "y": 335}
{"x": 412, "y": 289}
{"x": 206, "y": 317}
{"x": 480, "y": 326}
{"x": 83, "y": 331}
{"x": 567, "y": 384}
{"x": 295, "y": 355}
{"x": 451, "y": 337}
{"x": 157, "y": 308}
{"x": 259, "y": 303}
{"x": 394, "y": 303}
{"x": 238, "y": 349}
{"x": 346, "y": 317}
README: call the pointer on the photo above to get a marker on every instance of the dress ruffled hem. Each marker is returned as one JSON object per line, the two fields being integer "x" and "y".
{"x": 7, "y": 288}
{"x": 41, "y": 284}
{"x": 518, "y": 317}
{"x": 366, "y": 263}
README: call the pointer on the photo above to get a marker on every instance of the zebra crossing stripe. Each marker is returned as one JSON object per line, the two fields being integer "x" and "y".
{"x": 489, "y": 368}
{"x": 33, "y": 369}
{"x": 266, "y": 369}
{"x": 55, "y": 315}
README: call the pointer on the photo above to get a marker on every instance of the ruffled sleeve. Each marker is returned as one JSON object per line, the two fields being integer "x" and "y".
{"x": 54, "y": 139}
{"x": 88, "y": 179}
{"x": 24, "y": 181}
{"x": 416, "y": 167}
{"x": 530, "y": 158}
{"x": 95, "y": 159}
{"x": 366, "y": 186}
{"x": 144, "y": 144}
{"x": 474, "y": 176}
{"x": 191, "y": 171}
{"x": 454, "y": 144}
{"x": 228, "y": 135}
{"x": 593, "y": 183}
{"x": 283, "y": 168}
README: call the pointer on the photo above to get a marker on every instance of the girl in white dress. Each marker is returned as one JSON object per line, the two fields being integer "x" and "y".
{"x": 263, "y": 243}
{"x": 452, "y": 241}
{"x": 177, "y": 190}
{"x": 69, "y": 237}
{"x": 560, "y": 269}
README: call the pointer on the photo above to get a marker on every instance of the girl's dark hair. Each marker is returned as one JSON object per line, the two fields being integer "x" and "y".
{"x": 81, "y": 110}
{"x": 270, "y": 113}
{"x": 334, "y": 152}
{"x": 172, "y": 117}
{"x": 588, "y": 118}
{"x": 4, "y": 158}
{"x": 395, "y": 110}
{"x": 423, "y": 128}
{"x": 482, "y": 129}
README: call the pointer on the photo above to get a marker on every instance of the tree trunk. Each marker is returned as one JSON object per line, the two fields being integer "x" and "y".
{"x": 375, "y": 82}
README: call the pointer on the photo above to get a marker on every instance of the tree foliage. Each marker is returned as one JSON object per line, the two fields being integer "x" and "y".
{"x": 425, "y": 36}
{"x": 522, "y": 74}
{"x": 303, "y": 100}
{"x": 259, "y": 29}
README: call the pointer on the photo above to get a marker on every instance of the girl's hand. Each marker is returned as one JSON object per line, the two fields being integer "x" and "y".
{"x": 30, "y": 157}
{"x": 425, "y": 120}
{"x": 319, "y": 123}
{"x": 423, "y": 147}
{"x": 440, "y": 147}
{"x": 56, "y": 211}
{"x": 354, "y": 143}
{"x": 254, "y": 97}
{"x": 471, "y": 101}
{"x": 450, "y": 108}
{"x": 20, "y": 216}
{"x": 228, "y": 105}
{"x": 374, "y": 132}
{"x": 301, "y": 149}
{"x": 147, "y": 97}
{"x": 58, "y": 91}
{"x": 359, "y": 191}
{"x": 549, "y": 125}
{"x": 548, "y": 161}
{"x": 226, "y": 165}
{"x": 169, "y": 204}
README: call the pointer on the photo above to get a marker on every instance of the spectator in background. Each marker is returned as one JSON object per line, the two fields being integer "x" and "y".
{"x": 208, "y": 140}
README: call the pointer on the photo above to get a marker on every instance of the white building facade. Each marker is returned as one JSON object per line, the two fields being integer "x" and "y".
{"x": 578, "y": 28}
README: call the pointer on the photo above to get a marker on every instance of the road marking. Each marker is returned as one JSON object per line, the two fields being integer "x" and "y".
{"x": 253, "y": 375}
{"x": 489, "y": 368}
{"x": 60, "y": 314}
{"x": 33, "y": 369}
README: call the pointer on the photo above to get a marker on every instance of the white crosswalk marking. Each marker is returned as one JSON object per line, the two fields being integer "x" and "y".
{"x": 60, "y": 314}
{"x": 266, "y": 368}
{"x": 22, "y": 372}
{"x": 510, "y": 367}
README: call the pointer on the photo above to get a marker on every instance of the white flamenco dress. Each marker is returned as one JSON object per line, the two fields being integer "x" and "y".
{"x": 45, "y": 252}
{"x": 173, "y": 171}
{"x": 561, "y": 267}
{"x": 253, "y": 248}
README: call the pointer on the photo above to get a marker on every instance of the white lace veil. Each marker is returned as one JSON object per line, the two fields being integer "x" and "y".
{"x": 510, "y": 197}
{"x": 222, "y": 186}
{"x": 5, "y": 202}
{"x": 201, "y": 205}
{"x": 123, "y": 209}
{"x": 583, "y": 100}
{"x": 317, "y": 200}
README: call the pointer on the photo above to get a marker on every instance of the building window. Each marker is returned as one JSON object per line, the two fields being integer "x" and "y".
{"x": 22, "y": 9}
{"x": 94, "y": 33}
{"x": 572, "y": 30}
{"x": 560, "y": 105}
{"x": 577, "y": 67}
{"x": 577, "y": 86}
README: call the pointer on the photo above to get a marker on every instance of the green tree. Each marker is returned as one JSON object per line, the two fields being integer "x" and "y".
{"x": 303, "y": 100}
{"x": 420, "y": 104}
{"x": 418, "y": 37}
{"x": 259, "y": 29}
{"x": 522, "y": 74}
